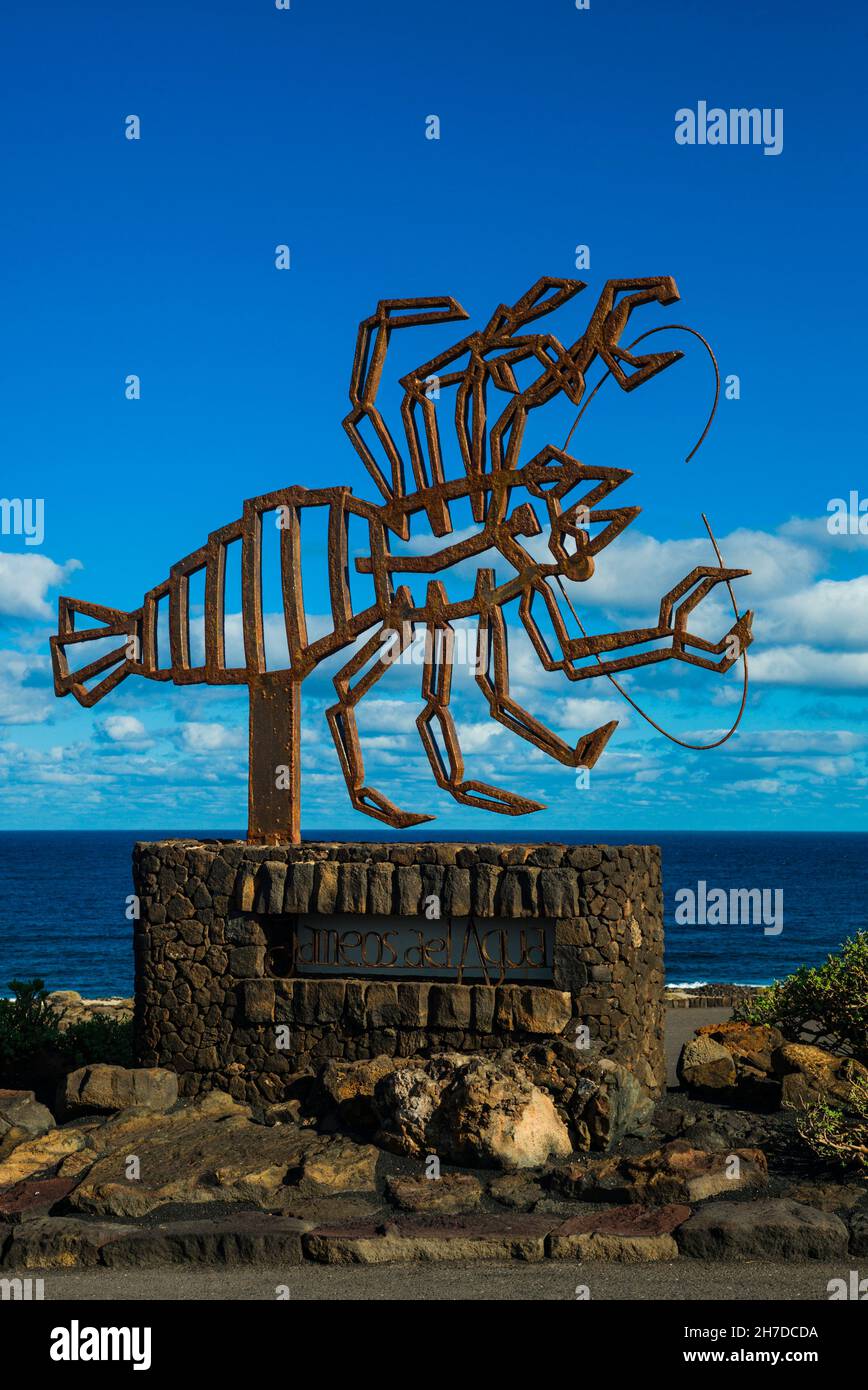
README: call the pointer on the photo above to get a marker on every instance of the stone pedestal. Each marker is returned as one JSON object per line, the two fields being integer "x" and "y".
{"x": 256, "y": 963}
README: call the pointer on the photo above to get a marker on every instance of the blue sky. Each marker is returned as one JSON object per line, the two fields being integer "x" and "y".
{"x": 307, "y": 127}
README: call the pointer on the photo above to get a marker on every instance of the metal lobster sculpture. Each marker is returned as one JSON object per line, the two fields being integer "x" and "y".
{"x": 493, "y": 481}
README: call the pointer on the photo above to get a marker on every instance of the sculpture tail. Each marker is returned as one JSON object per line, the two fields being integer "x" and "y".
{"x": 117, "y": 660}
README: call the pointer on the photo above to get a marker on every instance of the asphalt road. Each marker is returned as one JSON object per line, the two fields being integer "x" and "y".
{"x": 514, "y": 1281}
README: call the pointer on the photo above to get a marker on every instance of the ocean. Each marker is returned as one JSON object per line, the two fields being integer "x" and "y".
{"x": 63, "y": 899}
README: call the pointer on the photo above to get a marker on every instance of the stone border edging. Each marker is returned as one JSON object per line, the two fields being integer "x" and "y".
{"x": 709, "y": 996}
{"x": 779, "y": 1229}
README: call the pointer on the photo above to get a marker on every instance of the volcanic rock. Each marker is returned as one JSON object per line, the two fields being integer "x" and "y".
{"x": 107, "y": 1089}
{"x": 470, "y": 1111}
{"x": 627, "y": 1235}
{"x": 810, "y": 1075}
{"x": 776, "y": 1229}
{"x": 706, "y": 1065}
{"x": 448, "y": 1194}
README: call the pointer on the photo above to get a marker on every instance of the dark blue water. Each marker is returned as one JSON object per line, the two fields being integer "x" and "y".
{"x": 62, "y": 901}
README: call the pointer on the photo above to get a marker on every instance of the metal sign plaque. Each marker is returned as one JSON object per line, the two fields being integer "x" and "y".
{"x": 488, "y": 951}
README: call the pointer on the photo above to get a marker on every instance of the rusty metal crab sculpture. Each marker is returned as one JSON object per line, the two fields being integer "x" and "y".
{"x": 493, "y": 481}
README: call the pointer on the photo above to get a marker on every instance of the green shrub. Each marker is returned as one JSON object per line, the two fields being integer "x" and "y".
{"x": 825, "y": 1004}
{"x": 839, "y": 1132}
{"x": 27, "y": 1024}
{"x": 100, "y": 1040}
{"x": 29, "y": 1030}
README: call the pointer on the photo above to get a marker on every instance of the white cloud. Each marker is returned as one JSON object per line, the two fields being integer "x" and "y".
{"x": 21, "y": 703}
{"x": 124, "y": 728}
{"x": 25, "y": 581}
{"x": 831, "y": 613}
{"x": 588, "y": 713}
{"x": 639, "y": 570}
{"x": 209, "y": 738}
{"x": 816, "y": 767}
{"x": 387, "y": 716}
{"x": 424, "y": 542}
{"x": 801, "y": 741}
{"x": 766, "y": 786}
{"x": 475, "y": 737}
{"x": 273, "y": 637}
{"x": 801, "y": 665}
{"x": 816, "y": 529}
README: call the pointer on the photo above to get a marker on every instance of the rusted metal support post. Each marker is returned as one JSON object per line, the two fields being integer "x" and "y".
{"x": 274, "y": 789}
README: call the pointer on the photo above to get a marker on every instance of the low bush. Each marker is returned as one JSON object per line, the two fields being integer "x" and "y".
{"x": 29, "y": 1031}
{"x": 826, "y": 1005}
{"x": 839, "y": 1133}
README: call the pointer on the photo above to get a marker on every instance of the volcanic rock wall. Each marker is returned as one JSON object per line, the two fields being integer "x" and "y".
{"x": 223, "y": 997}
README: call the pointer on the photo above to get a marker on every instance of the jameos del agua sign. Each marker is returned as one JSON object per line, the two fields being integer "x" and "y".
{"x": 459, "y": 948}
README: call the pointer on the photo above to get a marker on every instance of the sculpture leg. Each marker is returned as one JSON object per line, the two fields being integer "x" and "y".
{"x": 436, "y": 689}
{"x": 492, "y": 677}
{"x": 274, "y": 787}
{"x": 344, "y": 730}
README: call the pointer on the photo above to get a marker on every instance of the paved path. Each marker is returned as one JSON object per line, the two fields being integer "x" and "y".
{"x": 551, "y": 1280}
{"x": 680, "y": 1025}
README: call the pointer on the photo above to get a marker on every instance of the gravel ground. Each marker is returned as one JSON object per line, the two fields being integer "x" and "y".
{"x": 683, "y": 1279}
